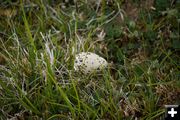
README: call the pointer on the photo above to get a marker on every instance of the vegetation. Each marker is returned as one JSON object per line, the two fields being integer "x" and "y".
{"x": 39, "y": 39}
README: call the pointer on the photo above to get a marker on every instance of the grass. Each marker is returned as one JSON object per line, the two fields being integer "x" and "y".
{"x": 38, "y": 42}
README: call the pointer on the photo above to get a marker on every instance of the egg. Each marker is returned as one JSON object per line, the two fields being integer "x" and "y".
{"x": 87, "y": 62}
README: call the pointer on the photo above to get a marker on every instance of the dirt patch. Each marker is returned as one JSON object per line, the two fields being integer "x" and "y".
{"x": 132, "y": 9}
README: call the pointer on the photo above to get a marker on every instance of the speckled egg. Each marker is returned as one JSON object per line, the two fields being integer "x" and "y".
{"x": 88, "y": 62}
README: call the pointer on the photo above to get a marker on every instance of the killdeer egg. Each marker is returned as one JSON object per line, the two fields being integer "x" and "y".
{"x": 88, "y": 62}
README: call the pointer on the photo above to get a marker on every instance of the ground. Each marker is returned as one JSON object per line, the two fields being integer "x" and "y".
{"x": 39, "y": 39}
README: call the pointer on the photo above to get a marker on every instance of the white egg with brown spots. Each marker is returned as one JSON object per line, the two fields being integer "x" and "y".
{"x": 87, "y": 62}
